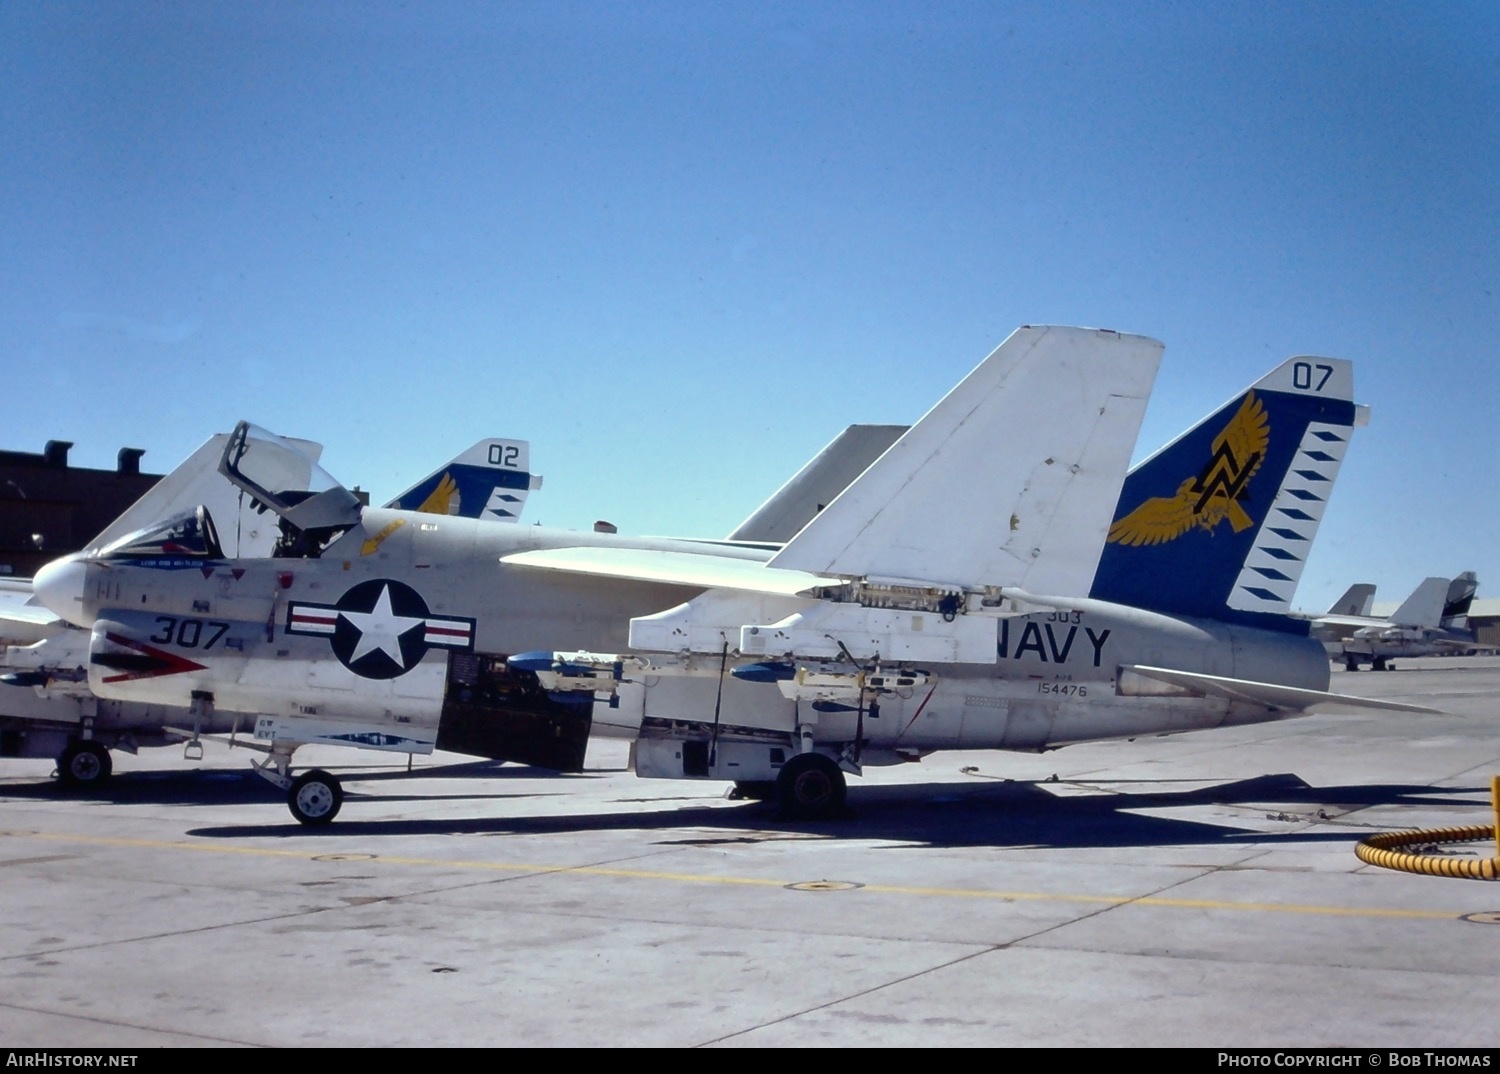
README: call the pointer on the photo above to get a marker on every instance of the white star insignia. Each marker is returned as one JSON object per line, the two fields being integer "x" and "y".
{"x": 380, "y": 628}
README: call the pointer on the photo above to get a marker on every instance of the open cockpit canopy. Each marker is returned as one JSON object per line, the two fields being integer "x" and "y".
{"x": 277, "y": 473}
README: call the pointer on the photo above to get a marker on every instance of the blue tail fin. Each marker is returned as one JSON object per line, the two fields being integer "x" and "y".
{"x": 1218, "y": 524}
{"x": 489, "y": 481}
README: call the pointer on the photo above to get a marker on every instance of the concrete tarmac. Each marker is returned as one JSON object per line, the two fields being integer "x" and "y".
{"x": 1199, "y": 890}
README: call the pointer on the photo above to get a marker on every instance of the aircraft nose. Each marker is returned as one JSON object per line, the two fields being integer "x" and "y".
{"x": 59, "y": 587}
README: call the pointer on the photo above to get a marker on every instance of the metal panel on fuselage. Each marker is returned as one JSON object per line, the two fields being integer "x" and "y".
{"x": 1052, "y": 680}
{"x": 1052, "y": 683}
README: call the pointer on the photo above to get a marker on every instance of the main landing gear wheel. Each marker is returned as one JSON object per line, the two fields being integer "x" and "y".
{"x": 753, "y": 790}
{"x": 84, "y": 764}
{"x": 315, "y": 797}
{"x": 810, "y": 787}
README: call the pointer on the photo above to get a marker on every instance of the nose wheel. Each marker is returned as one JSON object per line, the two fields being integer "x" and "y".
{"x": 315, "y": 798}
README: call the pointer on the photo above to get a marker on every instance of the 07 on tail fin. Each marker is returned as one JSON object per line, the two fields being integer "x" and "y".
{"x": 489, "y": 481}
{"x": 1218, "y": 524}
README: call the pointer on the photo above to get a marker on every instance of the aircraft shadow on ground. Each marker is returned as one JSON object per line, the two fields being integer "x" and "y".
{"x": 238, "y": 786}
{"x": 1013, "y": 813}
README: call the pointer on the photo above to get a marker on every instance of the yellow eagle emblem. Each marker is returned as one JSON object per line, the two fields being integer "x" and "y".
{"x": 1214, "y": 494}
{"x": 442, "y": 500}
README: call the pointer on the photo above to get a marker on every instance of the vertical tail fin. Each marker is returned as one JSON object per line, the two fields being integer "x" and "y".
{"x": 1356, "y": 600}
{"x": 1009, "y": 480}
{"x": 1218, "y": 524}
{"x": 1460, "y": 598}
{"x": 817, "y": 484}
{"x": 1424, "y": 608}
{"x": 490, "y": 481}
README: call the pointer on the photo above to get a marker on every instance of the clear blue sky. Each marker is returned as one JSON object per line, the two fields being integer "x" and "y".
{"x": 678, "y": 246}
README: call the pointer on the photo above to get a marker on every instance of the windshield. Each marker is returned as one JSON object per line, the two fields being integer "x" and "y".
{"x": 278, "y": 474}
{"x": 188, "y": 536}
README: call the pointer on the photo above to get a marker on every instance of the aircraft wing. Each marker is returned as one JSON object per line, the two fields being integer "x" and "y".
{"x": 1271, "y": 695}
{"x": 22, "y": 621}
{"x": 1012, "y": 479}
{"x": 244, "y": 530}
{"x": 1355, "y": 621}
{"x": 673, "y": 568}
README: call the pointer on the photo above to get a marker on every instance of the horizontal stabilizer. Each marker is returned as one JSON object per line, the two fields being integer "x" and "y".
{"x": 22, "y": 620}
{"x": 671, "y": 568}
{"x": 1011, "y": 479}
{"x": 1271, "y": 695}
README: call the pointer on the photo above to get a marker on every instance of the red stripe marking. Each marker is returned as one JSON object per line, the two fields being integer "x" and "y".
{"x": 448, "y": 631}
{"x": 318, "y": 618}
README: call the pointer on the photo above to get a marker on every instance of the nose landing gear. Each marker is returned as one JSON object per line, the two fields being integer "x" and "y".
{"x": 84, "y": 764}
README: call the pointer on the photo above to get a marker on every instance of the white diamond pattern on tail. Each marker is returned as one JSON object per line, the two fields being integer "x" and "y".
{"x": 1271, "y": 571}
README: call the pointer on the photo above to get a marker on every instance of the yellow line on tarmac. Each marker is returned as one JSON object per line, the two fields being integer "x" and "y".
{"x": 702, "y": 878}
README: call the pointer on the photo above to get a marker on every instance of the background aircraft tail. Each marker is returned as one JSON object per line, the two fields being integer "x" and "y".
{"x": 490, "y": 481}
{"x": 1356, "y": 600}
{"x": 1460, "y": 598}
{"x": 817, "y": 484}
{"x": 1218, "y": 524}
{"x": 1424, "y": 608}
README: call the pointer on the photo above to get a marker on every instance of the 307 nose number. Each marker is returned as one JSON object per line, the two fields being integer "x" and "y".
{"x": 189, "y": 633}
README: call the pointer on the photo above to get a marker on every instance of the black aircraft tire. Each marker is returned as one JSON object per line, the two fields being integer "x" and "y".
{"x": 810, "y": 787}
{"x": 315, "y": 798}
{"x": 755, "y": 790}
{"x": 84, "y": 764}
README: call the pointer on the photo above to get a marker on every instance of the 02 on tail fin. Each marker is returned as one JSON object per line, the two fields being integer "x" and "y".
{"x": 488, "y": 481}
{"x": 1218, "y": 524}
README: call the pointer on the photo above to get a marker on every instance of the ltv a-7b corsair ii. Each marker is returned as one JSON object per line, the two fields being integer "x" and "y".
{"x": 985, "y": 583}
{"x": 50, "y": 710}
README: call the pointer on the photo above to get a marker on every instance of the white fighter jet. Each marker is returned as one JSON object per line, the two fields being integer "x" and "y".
{"x": 49, "y": 709}
{"x": 985, "y": 583}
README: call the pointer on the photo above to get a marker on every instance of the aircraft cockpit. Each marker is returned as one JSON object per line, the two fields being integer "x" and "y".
{"x": 313, "y": 507}
{"x": 190, "y": 535}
